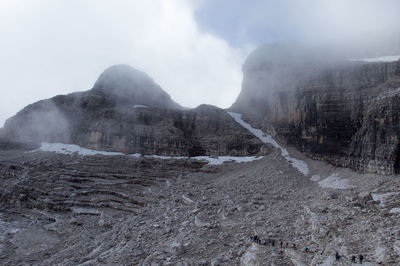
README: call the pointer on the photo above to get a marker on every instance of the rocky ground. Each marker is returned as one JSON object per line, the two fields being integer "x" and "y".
{"x": 90, "y": 210}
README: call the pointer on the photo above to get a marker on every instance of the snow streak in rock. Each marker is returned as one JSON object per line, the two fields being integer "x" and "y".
{"x": 298, "y": 164}
{"x": 390, "y": 58}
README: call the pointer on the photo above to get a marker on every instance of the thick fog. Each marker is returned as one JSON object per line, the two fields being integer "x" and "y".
{"x": 52, "y": 47}
{"x": 193, "y": 49}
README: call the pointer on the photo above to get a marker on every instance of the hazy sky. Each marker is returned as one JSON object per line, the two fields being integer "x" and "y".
{"x": 193, "y": 49}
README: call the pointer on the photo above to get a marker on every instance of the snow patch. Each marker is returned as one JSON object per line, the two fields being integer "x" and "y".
{"x": 382, "y": 197}
{"x": 390, "y": 58}
{"x": 139, "y": 106}
{"x": 71, "y": 149}
{"x": 298, "y": 164}
{"x": 222, "y": 159}
{"x": 334, "y": 181}
{"x": 211, "y": 160}
{"x": 394, "y": 210}
{"x": 162, "y": 157}
{"x": 75, "y": 149}
{"x": 315, "y": 178}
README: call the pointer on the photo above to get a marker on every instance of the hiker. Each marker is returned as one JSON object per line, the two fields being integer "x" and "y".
{"x": 273, "y": 242}
{"x": 306, "y": 249}
{"x": 265, "y": 242}
{"x": 294, "y": 246}
{"x": 361, "y": 257}
{"x": 281, "y": 243}
{"x": 255, "y": 238}
{"x": 337, "y": 256}
{"x": 353, "y": 259}
{"x": 287, "y": 244}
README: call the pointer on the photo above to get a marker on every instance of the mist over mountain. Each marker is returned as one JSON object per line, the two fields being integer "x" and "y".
{"x": 138, "y": 164}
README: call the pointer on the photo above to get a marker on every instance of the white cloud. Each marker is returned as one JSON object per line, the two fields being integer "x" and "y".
{"x": 51, "y": 47}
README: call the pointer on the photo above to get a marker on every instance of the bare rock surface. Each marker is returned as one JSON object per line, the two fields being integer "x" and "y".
{"x": 126, "y": 111}
{"x": 343, "y": 111}
{"x": 91, "y": 210}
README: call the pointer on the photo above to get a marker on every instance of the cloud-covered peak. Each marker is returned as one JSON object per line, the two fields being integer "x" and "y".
{"x": 133, "y": 86}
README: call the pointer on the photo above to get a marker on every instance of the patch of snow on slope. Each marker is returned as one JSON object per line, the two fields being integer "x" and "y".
{"x": 382, "y": 197}
{"x": 334, "y": 181}
{"x": 394, "y": 210}
{"x": 390, "y": 58}
{"x": 298, "y": 164}
{"x": 212, "y": 161}
{"x": 162, "y": 157}
{"x": 221, "y": 159}
{"x": 315, "y": 178}
{"x": 71, "y": 149}
{"x": 139, "y": 106}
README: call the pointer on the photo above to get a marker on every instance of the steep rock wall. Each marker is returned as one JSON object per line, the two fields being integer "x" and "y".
{"x": 127, "y": 112}
{"x": 325, "y": 107}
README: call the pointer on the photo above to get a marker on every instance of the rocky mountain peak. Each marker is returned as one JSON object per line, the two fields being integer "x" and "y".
{"x": 132, "y": 86}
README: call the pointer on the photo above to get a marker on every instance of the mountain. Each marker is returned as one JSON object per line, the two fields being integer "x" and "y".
{"x": 127, "y": 111}
{"x": 66, "y": 205}
{"x": 344, "y": 111}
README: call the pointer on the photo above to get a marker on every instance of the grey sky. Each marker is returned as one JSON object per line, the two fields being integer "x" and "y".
{"x": 262, "y": 21}
{"x": 193, "y": 49}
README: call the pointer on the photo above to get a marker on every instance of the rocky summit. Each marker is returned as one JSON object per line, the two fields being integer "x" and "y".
{"x": 301, "y": 170}
{"x": 127, "y": 112}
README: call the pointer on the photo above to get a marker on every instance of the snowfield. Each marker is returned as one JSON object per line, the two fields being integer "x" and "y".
{"x": 223, "y": 159}
{"x": 75, "y": 149}
{"x": 390, "y": 58}
{"x": 211, "y": 160}
{"x": 334, "y": 181}
{"x": 71, "y": 149}
{"x": 394, "y": 210}
{"x": 139, "y": 106}
{"x": 382, "y": 197}
{"x": 298, "y": 164}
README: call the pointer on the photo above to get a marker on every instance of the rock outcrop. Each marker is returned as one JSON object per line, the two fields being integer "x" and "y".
{"x": 340, "y": 110}
{"x": 127, "y": 112}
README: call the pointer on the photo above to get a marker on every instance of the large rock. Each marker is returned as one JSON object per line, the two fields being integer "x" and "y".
{"x": 324, "y": 105}
{"x": 126, "y": 111}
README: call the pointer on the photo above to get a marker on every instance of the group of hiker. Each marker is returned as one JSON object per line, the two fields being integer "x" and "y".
{"x": 267, "y": 241}
{"x": 353, "y": 258}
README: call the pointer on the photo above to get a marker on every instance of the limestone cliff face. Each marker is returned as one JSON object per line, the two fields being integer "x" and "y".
{"x": 127, "y": 112}
{"x": 342, "y": 111}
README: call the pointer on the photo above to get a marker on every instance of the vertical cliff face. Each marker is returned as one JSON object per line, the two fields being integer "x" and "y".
{"x": 340, "y": 110}
{"x": 127, "y": 111}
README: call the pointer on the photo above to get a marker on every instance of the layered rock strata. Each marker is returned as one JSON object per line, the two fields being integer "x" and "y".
{"x": 340, "y": 110}
{"x": 127, "y": 112}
